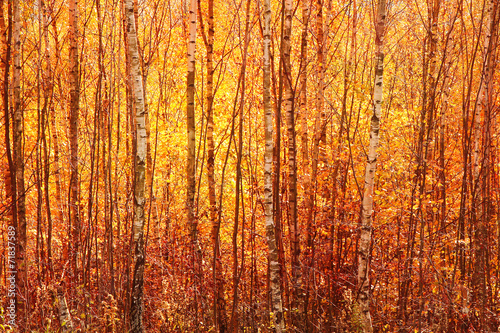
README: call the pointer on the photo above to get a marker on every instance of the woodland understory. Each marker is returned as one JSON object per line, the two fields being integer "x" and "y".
{"x": 249, "y": 166}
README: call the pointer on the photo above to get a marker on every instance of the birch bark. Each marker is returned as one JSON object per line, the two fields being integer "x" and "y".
{"x": 481, "y": 165}
{"x": 18, "y": 135}
{"x": 136, "y": 307}
{"x": 64, "y": 315}
{"x": 274, "y": 270}
{"x": 192, "y": 222}
{"x": 371, "y": 163}
{"x": 191, "y": 121}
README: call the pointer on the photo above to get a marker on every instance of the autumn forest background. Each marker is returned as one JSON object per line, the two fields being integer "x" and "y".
{"x": 250, "y": 166}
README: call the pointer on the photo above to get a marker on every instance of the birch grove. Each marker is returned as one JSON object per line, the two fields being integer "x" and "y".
{"x": 250, "y": 166}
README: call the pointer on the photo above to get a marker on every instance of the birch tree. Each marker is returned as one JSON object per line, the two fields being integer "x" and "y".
{"x": 10, "y": 173}
{"x": 481, "y": 166}
{"x": 136, "y": 308}
{"x": 65, "y": 320}
{"x": 274, "y": 270}
{"x": 18, "y": 134}
{"x": 292, "y": 153}
{"x": 371, "y": 164}
{"x": 191, "y": 146}
{"x": 190, "y": 120}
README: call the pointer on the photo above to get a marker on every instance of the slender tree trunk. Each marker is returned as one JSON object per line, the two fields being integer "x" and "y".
{"x": 48, "y": 98}
{"x": 319, "y": 138}
{"x": 319, "y": 126}
{"x": 481, "y": 165}
{"x": 10, "y": 173}
{"x": 304, "y": 115}
{"x": 112, "y": 201}
{"x": 274, "y": 268}
{"x": 442, "y": 191}
{"x": 60, "y": 205}
{"x": 192, "y": 222}
{"x": 277, "y": 197}
{"x": 319, "y": 153}
{"x": 39, "y": 231}
{"x": 292, "y": 153}
{"x": 364, "y": 286}
{"x": 136, "y": 307}
{"x": 74, "y": 82}
{"x": 191, "y": 174}
{"x": 130, "y": 137}
{"x": 426, "y": 153}
{"x": 442, "y": 139}
{"x": 18, "y": 136}
{"x": 220, "y": 317}
{"x": 239, "y": 194}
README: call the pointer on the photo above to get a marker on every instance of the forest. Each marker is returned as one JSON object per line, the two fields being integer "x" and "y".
{"x": 249, "y": 166}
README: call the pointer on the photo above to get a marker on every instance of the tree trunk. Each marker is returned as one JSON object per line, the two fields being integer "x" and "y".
{"x": 64, "y": 315}
{"x": 74, "y": 82}
{"x": 274, "y": 268}
{"x": 192, "y": 222}
{"x": 292, "y": 153}
{"x": 426, "y": 153}
{"x": 220, "y": 317}
{"x": 481, "y": 165}
{"x": 136, "y": 307}
{"x": 48, "y": 98}
{"x": 18, "y": 136}
{"x": 10, "y": 175}
{"x": 239, "y": 193}
{"x": 363, "y": 297}
{"x": 304, "y": 115}
{"x": 319, "y": 126}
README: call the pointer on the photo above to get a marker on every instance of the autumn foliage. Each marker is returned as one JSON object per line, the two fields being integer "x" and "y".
{"x": 99, "y": 141}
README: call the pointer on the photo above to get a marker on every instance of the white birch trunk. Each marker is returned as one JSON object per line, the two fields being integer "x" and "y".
{"x": 481, "y": 164}
{"x": 64, "y": 314}
{"x": 192, "y": 222}
{"x": 18, "y": 138}
{"x": 482, "y": 99}
{"x": 191, "y": 120}
{"x": 136, "y": 309}
{"x": 276, "y": 303}
{"x": 371, "y": 164}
